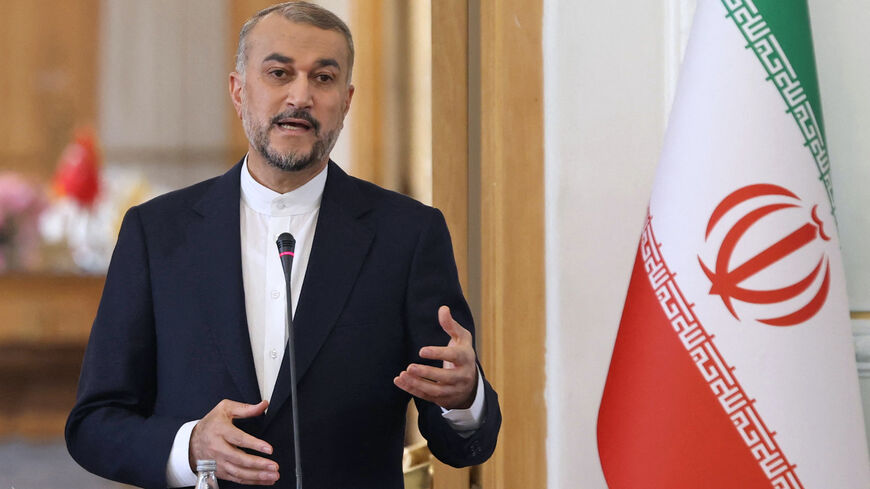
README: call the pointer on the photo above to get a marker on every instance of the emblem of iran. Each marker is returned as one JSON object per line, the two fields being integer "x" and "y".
{"x": 768, "y": 254}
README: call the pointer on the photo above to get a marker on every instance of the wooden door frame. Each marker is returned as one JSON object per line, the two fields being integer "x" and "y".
{"x": 488, "y": 170}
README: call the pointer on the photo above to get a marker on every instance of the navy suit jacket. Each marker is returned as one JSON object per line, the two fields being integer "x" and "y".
{"x": 170, "y": 339}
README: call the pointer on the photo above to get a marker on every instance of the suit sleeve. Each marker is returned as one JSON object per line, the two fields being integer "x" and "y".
{"x": 112, "y": 430}
{"x": 433, "y": 282}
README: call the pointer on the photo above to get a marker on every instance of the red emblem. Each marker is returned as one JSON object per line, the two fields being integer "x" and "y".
{"x": 726, "y": 279}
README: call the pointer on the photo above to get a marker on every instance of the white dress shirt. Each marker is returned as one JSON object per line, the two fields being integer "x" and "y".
{"x": 264, "y": 215}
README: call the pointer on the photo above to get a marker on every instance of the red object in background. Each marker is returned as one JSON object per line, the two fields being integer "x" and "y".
{"x": 78, "y": 173}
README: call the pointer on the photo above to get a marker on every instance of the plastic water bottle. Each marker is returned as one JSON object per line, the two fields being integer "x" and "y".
{"x": 205, "y": 478}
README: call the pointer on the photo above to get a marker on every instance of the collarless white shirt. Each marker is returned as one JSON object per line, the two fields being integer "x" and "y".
{"x": 264, "y": 215}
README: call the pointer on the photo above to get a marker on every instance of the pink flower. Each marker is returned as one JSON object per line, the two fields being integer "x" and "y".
{"x": 20, "y": 206}
{"x": 17, "y": 196}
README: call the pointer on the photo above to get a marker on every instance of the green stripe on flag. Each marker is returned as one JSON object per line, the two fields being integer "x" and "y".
{"x": 790, "y": 22}
{"x": 779, "y": 34}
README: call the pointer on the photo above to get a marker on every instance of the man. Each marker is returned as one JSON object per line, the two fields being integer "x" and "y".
{"x": 184, "y": 360}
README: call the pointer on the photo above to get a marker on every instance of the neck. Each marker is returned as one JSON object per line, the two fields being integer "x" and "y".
{"x": 279, "y": 180}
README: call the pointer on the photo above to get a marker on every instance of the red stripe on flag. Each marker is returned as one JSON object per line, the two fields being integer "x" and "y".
{"x": 673, "y": 415}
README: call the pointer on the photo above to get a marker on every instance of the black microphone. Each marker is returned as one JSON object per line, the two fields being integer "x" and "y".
{"x": 286, "y": 251}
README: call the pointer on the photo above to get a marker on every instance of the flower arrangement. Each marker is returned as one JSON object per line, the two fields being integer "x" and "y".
{"x": 73, "y": 219}
{"x": 88, "y": 203}
{"x": 21, "y": 204}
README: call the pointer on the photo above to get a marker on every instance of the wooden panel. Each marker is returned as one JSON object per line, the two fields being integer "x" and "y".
{"x": 48, "y": 310}
{"x": 381, "y": 117}
{"x": 417, "y": 168}
{"x": 45, "y": 322}
{"x": 366, "y": 113}
{"x": 50, "y": 84}
{"x": 512, "y": 236}
{"x": 372, "y": 122}
{"x": 450, "y": 155}
{"x": 450, "y": 122}
{"x": 37, "y": 389}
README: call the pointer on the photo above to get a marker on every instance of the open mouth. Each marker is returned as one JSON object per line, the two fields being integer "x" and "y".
{"x": 294, "y": 124}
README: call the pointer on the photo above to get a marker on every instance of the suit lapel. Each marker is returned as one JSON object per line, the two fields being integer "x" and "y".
{"x": 220, "y": 266}
{"x": 341, "y": 243}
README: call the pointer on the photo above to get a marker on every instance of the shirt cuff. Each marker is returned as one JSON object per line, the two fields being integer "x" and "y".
{"x": 466, "y": 421}
{"x": 178, "y": 473}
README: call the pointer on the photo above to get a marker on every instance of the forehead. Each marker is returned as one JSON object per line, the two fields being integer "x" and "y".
{"x": 302, "y": 42}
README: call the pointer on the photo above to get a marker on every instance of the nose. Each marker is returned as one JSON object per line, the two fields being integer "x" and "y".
{"x": 299, "y": 93}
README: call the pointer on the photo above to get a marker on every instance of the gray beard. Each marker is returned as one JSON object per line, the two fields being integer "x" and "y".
{"x": 290, "y": 161}
{"x": 293, "y": 161}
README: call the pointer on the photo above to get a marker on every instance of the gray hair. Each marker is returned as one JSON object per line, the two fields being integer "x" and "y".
{"x": 302, "y": 13}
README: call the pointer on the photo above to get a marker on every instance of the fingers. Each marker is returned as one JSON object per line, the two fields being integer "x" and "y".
{"x": 243, "y": 468}
{"x": 243, "y": 475}
{"x": 448, "y": 324}
{"x": 423, "y": 389}
{"x": 451, "y": 327}
{"x": 241, "y": 410}
{"x": 450, "y": 389}
{"x": 450, "y": 354}
{"x": 433, "y": 374}
{"x": 237, "y": 437}
{"x": 235, "y": 465}
{"x": 452, "y": 386}
{"x": 215, "y": 437}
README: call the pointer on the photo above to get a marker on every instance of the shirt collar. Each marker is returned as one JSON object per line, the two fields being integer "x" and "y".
{"x": 264, "y": 200}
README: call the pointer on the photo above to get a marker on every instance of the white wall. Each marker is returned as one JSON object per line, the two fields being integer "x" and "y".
{"x": 840, "y": 30}
{"x": 840, "y": 35}
{"x": 604, "y": 98}
{"x": 609, "y": 75}
{"x": 163, "y": 88}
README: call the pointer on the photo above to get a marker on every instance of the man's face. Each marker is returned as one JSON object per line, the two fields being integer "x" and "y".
{"x": 294, "y": 95}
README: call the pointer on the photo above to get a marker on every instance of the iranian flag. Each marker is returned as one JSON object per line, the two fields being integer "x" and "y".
{"x": 734, "y": 366}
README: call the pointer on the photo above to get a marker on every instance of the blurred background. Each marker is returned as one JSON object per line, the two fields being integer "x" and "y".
{"x": 108, "y": 103}
{"x": 522, "y": 120}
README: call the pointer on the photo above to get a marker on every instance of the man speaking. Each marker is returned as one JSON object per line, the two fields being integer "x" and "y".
{"x": 187, "y": 357}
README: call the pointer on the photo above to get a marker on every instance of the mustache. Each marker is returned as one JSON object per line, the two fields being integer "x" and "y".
{"x": 298, "y": 114}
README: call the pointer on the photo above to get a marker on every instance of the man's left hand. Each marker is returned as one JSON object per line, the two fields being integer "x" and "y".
{"x": 453, "y": 386}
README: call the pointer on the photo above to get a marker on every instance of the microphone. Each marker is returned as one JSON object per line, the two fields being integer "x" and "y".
{"x": 286, "y": 251}
{"x": 286, "y": 246}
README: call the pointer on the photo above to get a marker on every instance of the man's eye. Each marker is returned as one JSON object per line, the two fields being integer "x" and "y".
{"x": 278, "y": 73}
{"x": 324, "y": 78}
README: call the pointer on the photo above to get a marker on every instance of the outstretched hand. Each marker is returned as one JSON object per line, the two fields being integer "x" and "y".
{"x": 454, "y": 384}
{"x": 215, "y": 437}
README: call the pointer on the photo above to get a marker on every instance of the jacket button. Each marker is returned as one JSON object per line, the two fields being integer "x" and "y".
{"x": 474, "y": 448}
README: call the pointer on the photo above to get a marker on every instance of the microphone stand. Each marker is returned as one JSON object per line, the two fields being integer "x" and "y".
{"x": 286, "y": 246}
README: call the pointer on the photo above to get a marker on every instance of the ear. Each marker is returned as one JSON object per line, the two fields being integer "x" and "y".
{"x": 236, "y": 85}
{"x": 350, "y": 90}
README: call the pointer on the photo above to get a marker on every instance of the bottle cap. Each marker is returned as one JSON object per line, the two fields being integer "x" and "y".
{"x": 206, "y": 465}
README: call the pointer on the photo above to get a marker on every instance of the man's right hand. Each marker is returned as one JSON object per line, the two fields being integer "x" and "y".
{"x": 215, "y": 437}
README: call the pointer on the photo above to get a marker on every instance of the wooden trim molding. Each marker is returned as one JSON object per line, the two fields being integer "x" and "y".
{"x": 450, "y": 123}
{"x": 450, "y": 155}
{"x": 512, "y": 235}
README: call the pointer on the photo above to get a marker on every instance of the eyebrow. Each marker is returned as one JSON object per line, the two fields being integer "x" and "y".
{"x": 320, "y": 63}
{"x": 323, "y": 62}
{"x": 279, "y": 58}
